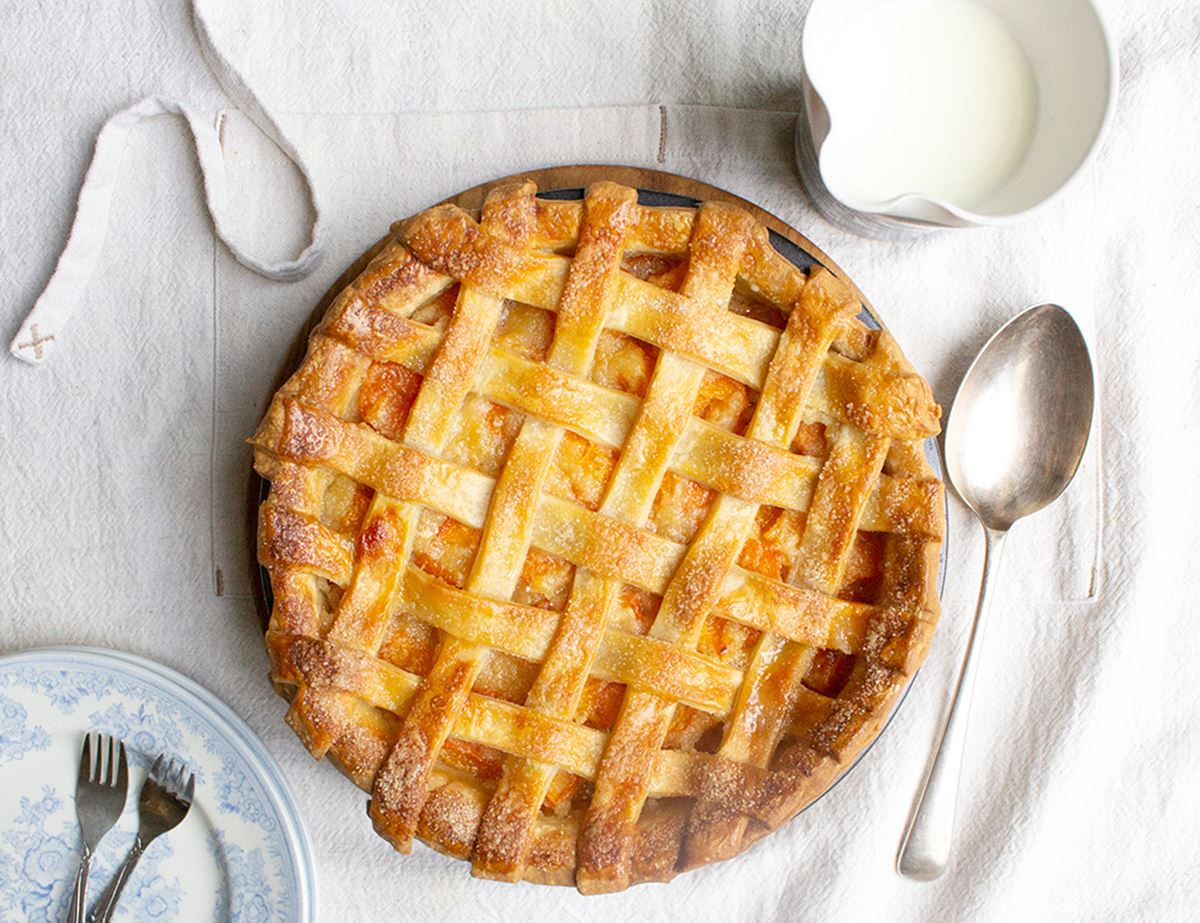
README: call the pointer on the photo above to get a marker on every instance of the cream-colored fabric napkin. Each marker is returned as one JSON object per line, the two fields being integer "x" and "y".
{"x": 46, "y": 321}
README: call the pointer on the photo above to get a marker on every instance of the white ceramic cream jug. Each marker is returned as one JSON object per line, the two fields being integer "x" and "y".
{"x": 921, "y": 114}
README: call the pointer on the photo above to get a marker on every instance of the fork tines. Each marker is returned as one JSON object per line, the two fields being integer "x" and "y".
{"x": 175, "y": 779}
{"x": 103, "y": 768}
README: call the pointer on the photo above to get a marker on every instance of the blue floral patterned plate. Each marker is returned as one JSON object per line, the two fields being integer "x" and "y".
{"x": 240, "y": 854}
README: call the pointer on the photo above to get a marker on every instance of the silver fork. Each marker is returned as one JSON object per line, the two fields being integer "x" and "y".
{"x": 99, "y": 800}
{"x": 164, "y": 801}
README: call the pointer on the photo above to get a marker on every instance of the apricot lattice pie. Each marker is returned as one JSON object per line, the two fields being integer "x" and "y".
{"x": 600, "y": 536}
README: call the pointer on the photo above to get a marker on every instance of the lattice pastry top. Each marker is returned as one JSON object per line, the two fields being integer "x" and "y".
{"x": 600, "y": 536}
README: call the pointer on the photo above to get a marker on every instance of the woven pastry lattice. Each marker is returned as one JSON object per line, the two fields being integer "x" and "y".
{"x": 600, "y": 536}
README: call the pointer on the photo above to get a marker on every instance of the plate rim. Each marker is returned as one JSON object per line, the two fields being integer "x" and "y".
{"x": 240, "y": 734}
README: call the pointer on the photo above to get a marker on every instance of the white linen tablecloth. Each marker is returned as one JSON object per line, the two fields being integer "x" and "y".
{"x": 124, "y": 473}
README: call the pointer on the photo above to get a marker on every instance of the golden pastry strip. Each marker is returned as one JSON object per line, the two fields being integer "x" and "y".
{"x": 715, "y": 457}
{"x": 562, "y": 528}
{"x": 893, "y": 403}
{"x": 695, "y": 587}
{"x": 793, "y": 613}
{"x": 577, "y": 650}
{"x": 402, "y": 783}
{"x": 900, "y": 505}
{"x": 520, "y": 732}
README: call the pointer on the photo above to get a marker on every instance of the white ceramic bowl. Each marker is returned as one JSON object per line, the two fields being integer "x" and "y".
{"x": 1074, "y": 66}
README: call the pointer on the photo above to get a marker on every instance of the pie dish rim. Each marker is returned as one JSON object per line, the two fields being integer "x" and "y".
{"x": 553, "y": 183}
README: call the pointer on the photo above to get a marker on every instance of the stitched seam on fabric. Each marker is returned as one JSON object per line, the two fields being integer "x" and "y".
{"x": 218, "y": 576}
{"x": 662, "y": 134}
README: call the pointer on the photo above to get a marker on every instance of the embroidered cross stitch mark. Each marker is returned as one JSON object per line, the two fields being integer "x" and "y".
{"x": 35, "y": 342}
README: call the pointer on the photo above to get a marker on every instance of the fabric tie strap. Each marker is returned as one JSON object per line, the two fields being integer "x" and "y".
{"x": 44, "y": 324}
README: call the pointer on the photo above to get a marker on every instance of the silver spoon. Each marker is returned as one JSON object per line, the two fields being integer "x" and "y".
{"x": 1014, "y": 440}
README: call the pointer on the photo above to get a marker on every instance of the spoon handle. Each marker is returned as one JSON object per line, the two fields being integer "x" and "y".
{"x": 925, "y": 849}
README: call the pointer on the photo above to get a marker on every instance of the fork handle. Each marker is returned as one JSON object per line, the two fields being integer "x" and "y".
{"x": 108, "y": 900}
{"x": 79, "y": 892}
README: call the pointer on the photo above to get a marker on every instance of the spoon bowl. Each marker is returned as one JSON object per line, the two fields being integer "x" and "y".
{"x": 1020, "y": 422}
